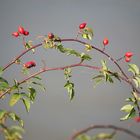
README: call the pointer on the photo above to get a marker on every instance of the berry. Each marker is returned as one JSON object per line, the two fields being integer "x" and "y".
{"x": 127, "y": 59}
{"x": 105, "y": 41}
{"x": 15, "y": 34}
{"x": 137, "y": 119}
{"x": 29, "y": 64}
{"x": 21, "y": 30}
{"x": 26, "y": 33}
{"x": 128, "y": 54}
{"x": 82, "y": 25}
{"x": 50, "y": 35}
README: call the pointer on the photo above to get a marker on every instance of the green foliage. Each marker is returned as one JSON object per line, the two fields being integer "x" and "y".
{"x": 70, "y": 88}
{"x": 105, "y": 75}
{"x": 29, "y": 45}
{"x": 67, "y": 73}
{"x": 134, "y": 69}
{"x": 26, "y": 102}
{"x": 84, "y": 137}
{"x": 3, "y": 84}
{"x": 129, "y": 108}
{"x": 14, "y": 133}
{"x": 88, "y": 47}
{"x": 69, "y": 85}
{"x": 15, "y": 97}
{"x": 69, "y": 51}
{"x": 87, "y": 33}
{"x": 103, "y": 136}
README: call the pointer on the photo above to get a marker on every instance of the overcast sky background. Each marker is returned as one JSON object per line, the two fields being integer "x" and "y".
{"x": 52, "y": 116}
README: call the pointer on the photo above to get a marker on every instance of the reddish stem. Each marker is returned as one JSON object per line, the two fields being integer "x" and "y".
{"x": 105, "y": 127}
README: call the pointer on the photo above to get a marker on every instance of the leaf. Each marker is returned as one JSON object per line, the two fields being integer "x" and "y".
{"x": 103, "y": 136}
{"x": 39, "y": 84}
{"x": 88, "y": 47}
{"x": 14, "y": 117}
{"x": 127, "y": 108}
{"x": 37, "y": 77}
{"x": 67, "y": 73}
{"x": 129, "y": 115}
{"x": 130, "y": 100}
{"x": 98, "y": 79}
{"x": 29, "y": 45}
{"x": 136, "y": 83}
{"x": 84, "y": 137}
{"x": 32, "y": 94}
{"x": 87, "y": 33}
{"x": 26, "y": 104}
{"x": 133, "y": 68}
{"x": 85, "y": 56}
{"x": 70, "y": 88}
{"x": 14, "y": 99}
{"x": 16, "y": 128}
{"x": 2, "y": 113}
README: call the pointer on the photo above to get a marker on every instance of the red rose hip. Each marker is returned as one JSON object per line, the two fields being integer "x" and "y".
{"x": 137, "y": 119}
{"x": 105, "y": 41}
{"x": 128, "y": 54}
{"x": 82, "y": 25}
{"x": 50, "y": 35}
{"x": 29, "y": 64}
{"x": 21, "y": 30}
{"x": 26, "y": 33}
{"x": 127, "y": 59}
{"x": 15, "y": 34}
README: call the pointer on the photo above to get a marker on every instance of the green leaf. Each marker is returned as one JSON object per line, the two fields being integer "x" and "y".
{"x": 136, "y": 81}
{"x": 98, "y": 79}
{"x": 127, "y": 108}
{"x": 14, "y": 117}
{"x": 85, "y": 56}
{"x": 37, "y": 77}
{"x": 70, "y": 88}
{"x": 28, "y": 45}
{"x": 26, "y": 104}
{"x": 84, "y": 137}
{"x": 2, "y": 113}
{"x": 16, "y": 128}
{"x": 87, "y": 33}
{"x": 39, "y": 84}
{"x": 103, "y": 62}
{"x": 130, "y": 115}
{"x": 67, "y": 73}
{"x": 14, "y": 98}
{"x": 88, "y": 47}
{"x": 32, "y": 94}
{"x": 133, "y": 68}
{"x": 130, "y": 100}
{"x": 103, "y": 136}
{"x": 3, "y": 83}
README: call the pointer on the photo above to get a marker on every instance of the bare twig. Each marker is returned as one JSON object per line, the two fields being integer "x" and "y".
{"x": 75, "y": 135}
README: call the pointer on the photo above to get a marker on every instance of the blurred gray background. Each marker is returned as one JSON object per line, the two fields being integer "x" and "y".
{"x": 53, "y": 116}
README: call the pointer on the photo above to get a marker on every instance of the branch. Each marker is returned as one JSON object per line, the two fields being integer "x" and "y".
{"x": 74, "y": 136}
{"x": 19, "y": 56}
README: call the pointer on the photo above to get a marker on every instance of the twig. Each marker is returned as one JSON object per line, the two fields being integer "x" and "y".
{"x": 75, "y": 135}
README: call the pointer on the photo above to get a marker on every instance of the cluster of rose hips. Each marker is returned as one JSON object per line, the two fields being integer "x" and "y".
{"x": 21, "y": 31}
{"x": 127, "y": 56}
